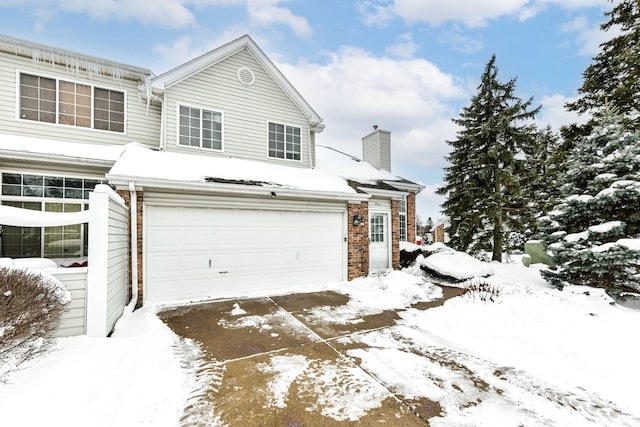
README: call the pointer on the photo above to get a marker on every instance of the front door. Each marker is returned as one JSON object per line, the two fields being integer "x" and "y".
{"x": 379, "y": 241}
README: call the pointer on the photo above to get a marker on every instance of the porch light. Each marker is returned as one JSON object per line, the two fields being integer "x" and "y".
{"x": 358, "y": 220}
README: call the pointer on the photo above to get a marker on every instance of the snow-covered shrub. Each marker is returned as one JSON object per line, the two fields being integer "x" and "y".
{"x": 593, "y": 235}
{"x": 31, "y": 304}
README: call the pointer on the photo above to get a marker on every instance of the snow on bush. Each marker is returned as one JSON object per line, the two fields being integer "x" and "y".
{"x": 456, "y": 265}
{"x": 31, "y": 304}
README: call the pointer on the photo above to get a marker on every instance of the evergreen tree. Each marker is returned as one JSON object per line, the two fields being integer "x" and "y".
{"x": 482, "y": 183}
{"x": 614, "y": 77}
{"x": 593, "y": 234}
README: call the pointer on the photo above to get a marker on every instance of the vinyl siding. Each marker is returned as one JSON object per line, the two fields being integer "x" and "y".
{"x": 73, "y": 319}
{"x": 141, "y": 125}
{"x": 118, "y": 262}
{"x": 247, "y": 110}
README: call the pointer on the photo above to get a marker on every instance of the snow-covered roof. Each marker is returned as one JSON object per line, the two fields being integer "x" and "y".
{"x": 73, "y": 61}
{"x": 362, "y": 175}
{"x": 16, "y": 146}
{"x": 163, "y": 169}
{"x": 196, "y": 65}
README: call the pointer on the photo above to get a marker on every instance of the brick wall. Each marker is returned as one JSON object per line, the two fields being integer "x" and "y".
{"x": 411, "y": 217}
{"x": 358, "y": 241}
{"x": 126, "y": 195}
{"x": 395, "y": 234}
{"x": 438, "y": 233}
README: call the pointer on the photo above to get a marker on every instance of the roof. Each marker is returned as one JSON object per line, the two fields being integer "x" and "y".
{"x": 162, "y": 169}
{"x": 49, "y": 150}
{"x": 361, "y": 175}
{"x": 178, "y": 74}
{"x": 72, "y": 60}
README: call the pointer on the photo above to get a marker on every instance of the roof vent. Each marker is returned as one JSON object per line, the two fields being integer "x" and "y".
{"x": 246, "y": 76}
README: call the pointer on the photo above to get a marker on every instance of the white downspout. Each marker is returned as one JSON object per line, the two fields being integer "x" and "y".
{"x": 134, "y": 243}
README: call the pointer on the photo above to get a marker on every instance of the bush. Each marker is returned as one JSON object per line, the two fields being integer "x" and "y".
{"x": 31, "y": 304}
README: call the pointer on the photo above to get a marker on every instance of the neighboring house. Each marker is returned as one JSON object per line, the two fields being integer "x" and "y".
{"x": 217, "y": 160}
{"x": 439, "y": 232}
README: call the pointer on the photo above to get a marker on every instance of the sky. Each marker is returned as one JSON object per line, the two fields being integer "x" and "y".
{"x": 408, "y": 66}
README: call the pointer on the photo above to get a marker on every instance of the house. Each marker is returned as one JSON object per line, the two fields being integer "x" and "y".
{"x": 216, "y": 162}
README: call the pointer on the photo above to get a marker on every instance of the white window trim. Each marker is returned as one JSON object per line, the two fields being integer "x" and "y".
{"x": 59, "y": 125}
{"x": 406, "y": 225}
{"x": 285, "y": 158}
{"x": 200, "y": 148}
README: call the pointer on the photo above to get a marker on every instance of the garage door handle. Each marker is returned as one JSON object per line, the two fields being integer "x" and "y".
{"x": 209, "y": 263}
{"x": 223, "y": 272}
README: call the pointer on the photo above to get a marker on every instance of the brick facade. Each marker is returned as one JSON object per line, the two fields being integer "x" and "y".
{"x": 126, "y": 195}
{"x": 411, "y": 217}
{"x": 395, "y": 234}
{"x": 358, "y": 241}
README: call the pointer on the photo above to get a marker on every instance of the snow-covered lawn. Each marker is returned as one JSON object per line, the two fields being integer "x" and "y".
{"x": 537, "y": 356}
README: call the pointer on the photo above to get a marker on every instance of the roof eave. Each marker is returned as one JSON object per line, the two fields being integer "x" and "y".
{"x": 238, "y": 189}
{"x": 408, "y": 186}
{"x": 54, "y": 158}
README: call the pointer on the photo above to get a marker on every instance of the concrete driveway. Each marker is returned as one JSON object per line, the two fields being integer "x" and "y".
{"x": 283, "y": 361}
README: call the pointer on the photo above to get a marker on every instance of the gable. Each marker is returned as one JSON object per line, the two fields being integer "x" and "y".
{"x": 247, "y": 99}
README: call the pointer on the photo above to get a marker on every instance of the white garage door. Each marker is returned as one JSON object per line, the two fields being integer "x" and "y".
{"x": 193, "y": 252}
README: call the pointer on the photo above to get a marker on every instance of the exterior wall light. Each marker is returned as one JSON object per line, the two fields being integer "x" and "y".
{"x": 358, "y": 220}
{"x": 273, "y": 194}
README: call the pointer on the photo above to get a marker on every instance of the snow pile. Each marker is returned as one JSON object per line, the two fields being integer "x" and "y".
{"x": 457, "y": 265}
{"x": 409, "y": 247}
{"x": 132, "y": 378}
{"x": 571, "y": 338}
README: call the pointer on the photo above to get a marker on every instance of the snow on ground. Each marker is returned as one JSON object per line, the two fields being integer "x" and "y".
{"x": 458, "y": 265}
{"x": 132, "y": 378}
{"x": 528, "y": 359}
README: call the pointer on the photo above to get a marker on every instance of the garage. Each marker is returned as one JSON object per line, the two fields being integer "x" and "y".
{"x": 212, "y": 252}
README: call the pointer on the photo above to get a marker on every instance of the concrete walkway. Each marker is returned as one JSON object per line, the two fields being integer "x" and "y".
{"x": 272, "y": 362}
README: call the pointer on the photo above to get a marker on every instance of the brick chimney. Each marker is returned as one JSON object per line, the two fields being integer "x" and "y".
{"x": 376, "y": 149}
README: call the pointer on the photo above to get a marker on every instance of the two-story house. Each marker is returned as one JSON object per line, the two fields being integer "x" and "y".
{"x": 217, "y": 158}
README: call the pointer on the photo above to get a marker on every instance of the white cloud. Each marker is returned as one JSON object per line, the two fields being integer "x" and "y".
{"x": 589, "y": 36}
{"x": 411, "y": 98}
{"x": 555, "y": 114}
{"x": 428, "y": 203}
{"x": 470, "y": 13}
{"x": 405, "y": 48}
{"x": 266, "y": 13}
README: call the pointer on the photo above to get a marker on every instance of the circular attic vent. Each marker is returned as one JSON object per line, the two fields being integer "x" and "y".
{"x": 246, "y": 76}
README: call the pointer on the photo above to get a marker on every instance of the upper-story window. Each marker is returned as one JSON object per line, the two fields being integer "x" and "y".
{"x": 50, "y": 100}
{"x": 403, "y": 220}
{"x": 284, "y": 141}
{"x": 200, "y": 128}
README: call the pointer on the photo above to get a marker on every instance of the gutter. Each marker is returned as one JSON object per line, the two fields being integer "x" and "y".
{"x": 133, "y": 211}
{"x": 397, "y": 195}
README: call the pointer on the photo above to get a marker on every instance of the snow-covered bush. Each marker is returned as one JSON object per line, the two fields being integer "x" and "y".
{"x": 31, "y": 304}
{"x": 593, "y": 234}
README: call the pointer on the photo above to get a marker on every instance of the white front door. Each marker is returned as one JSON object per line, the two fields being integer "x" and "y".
{"x": 379, "y": 241}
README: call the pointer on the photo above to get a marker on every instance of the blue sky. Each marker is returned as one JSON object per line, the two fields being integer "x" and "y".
{"x": 408, "y": 66}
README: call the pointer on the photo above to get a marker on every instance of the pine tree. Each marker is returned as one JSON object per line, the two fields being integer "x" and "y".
{"x": 593, "y": 235}
{"x": 614, "y": 77}
{"x": 482, "y": 183}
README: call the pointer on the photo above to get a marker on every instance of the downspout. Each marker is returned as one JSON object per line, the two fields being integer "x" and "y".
{"x": 134, "y": 243}
{"x": 162, "y": 119}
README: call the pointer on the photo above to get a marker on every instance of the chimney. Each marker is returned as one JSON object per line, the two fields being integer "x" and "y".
{"x": 376, "y": 149}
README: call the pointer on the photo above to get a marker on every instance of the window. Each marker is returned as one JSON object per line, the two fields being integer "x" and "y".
{"x": 51, "y": 194}
{"x": 403, "y": 220}
{"x": 67, "y": 103}
{"x": 376, "y": 233}
{"x": 200, "y": 128}
{"x": 284, "y": 141}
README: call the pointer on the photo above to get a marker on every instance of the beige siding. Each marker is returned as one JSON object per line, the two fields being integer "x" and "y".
{"x": 246, "y": 109}
{"x": 141, "y": 125}
{"x": 74, "y": 317}
{"x": 183, "y": 199}
{"x": 117, "y": 263}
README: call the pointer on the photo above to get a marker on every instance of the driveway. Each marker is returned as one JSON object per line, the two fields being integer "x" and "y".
{"x": 310, "y": 360}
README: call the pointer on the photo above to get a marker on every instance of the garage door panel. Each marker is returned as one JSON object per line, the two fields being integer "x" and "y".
{"x": 250, "y": 250}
